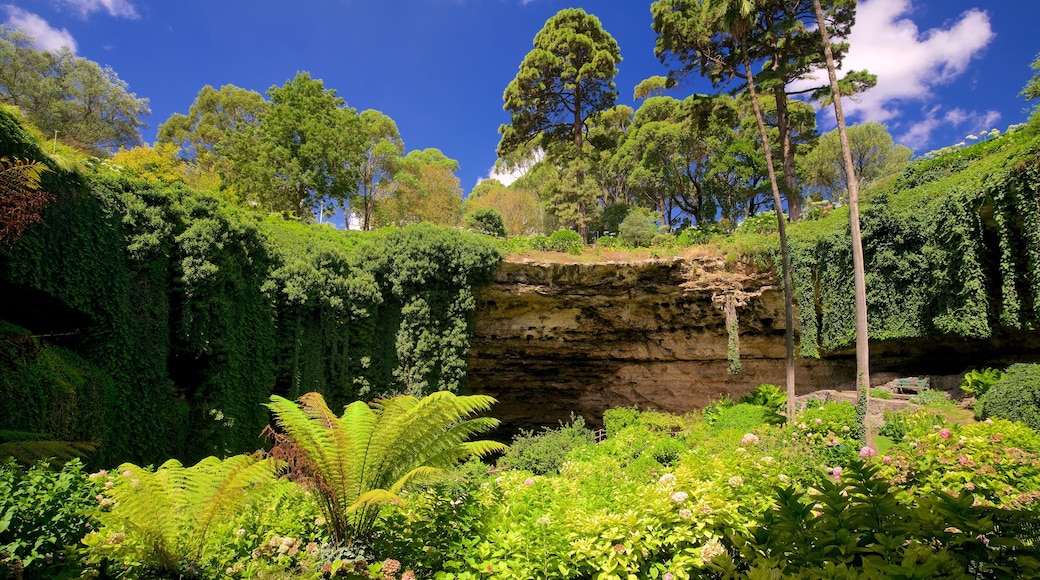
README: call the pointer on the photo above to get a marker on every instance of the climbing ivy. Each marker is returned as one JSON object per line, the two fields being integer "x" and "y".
{"x": 184, "y": 313}
{"x": 952, "y": 247}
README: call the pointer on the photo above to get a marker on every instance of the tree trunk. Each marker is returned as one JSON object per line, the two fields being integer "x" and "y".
{"x": 859, "y": 277}
{"x": 783, "y": 125}
{"x": 785, "y": 254}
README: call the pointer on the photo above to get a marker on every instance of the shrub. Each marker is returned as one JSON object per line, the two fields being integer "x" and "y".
{"x": 830, "y": 430}
{"x": 768, "y": 396}
{"x": 855, "y": 527}
{"x": 639, "y": 227}
{"x": 41, "y": 512}
{"x": 700, "y": 234}
{"x": 663, "y": 240}
{"x": 998, "y": 461}
{"x": 978, "y": 382}
{"x": 609, "y": 221}
{"x": 763, "y": 223}
{"x": 560, "y": 241}
{"x": 666, "y": 450}
{"x": 546, "y": 452}
{"x": 909, "y": 423}
{"x": 932, "y": 398}
{"x": 614, "y": 420}
{"x": 486, "y": 220}
{"x": 609, "y": 242}
{"x": 1015, "y": 397}
{"x": 743, "y": 417}
{"x": 713, "y": 410}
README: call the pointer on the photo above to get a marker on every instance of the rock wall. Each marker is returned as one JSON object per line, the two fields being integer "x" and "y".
{"x": 551, "y": 339}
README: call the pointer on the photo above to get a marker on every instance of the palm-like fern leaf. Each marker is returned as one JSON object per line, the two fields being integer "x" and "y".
{"x": 173, "y": 508}
{"x": 27, "y": 448}
{"x": 364, "y": 458}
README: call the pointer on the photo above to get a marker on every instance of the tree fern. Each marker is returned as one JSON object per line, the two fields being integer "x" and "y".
{"x": 363, "y": 459}
{"x": 163, "y": 519}
{"x": 27, "y": 448}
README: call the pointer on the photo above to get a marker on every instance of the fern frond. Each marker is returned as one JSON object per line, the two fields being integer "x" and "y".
{"x": 173, "y": 509}
{"x": 373, "y": 498}
{"x": 364, "y": 458}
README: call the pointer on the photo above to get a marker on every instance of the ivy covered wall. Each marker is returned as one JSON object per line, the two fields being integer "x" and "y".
{"x": 952, "y": 247}
{"x": 157, "y": 320}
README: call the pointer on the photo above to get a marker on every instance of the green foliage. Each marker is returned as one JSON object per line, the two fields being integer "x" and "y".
{"x": 932, "y": 398}
{"x": 273, "y": 535}
{"x": 616, "y": 419}
{"x": 43, "y": 511}
{"x": 829, "y": 430}
{"x": 439, "y": 521}
{"x": 929, "y": 253}
{"x": 856, "y": 527}
{"x": 978, "y": 382}
{"x": 175, "y": 307}
{"x": 998, "y": 461}
{"x": 362, "y": 460}
{"x": 545, "y": 452}
{"x": 89, "y": 105}
{"x": 167, "y": 521}
{"x": 768, "y": 396}
{"x": 1015, "y": 397}
{"x": 576, "y": 59}
{"x": 485, "y": 220}
{"x": 304, "y": 148}
{"x": 763, "y": 223}
{"x": 638, "y": 228}
{"x": 560, "y": 241}
{"x": 744, "y": 417}
{"x": 714, "y": 409}
{"x": 911, "y": 423}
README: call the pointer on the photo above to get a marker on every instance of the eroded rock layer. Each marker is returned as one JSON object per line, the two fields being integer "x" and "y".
{"x": 555, "y": 339}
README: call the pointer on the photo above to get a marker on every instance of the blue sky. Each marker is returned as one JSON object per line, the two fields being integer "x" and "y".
{"x": 946, "y": 68}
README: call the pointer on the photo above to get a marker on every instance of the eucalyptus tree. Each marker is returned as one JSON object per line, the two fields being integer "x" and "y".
{"x": 859, "y": 274}
{"x": 780, "y": 36}
{"x": 383, "y": 145}
{"x": 715, "y": 42}
{"x": 76, "y": 99}
{"x": 874, "y": 155}
{"x": 424, "y": 188}
{"x": 562, "y": 82}
{"x": 304, "y": 150}
{"x": 204, "y": 135}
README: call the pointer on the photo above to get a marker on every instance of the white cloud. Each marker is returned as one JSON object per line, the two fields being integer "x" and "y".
{"x": 507, "y": 176}
{"x": 46, "y": 36}
{"x": 116, "y": 8}
{"x": 919, "y": 134}
{"x": 909, "y": 63}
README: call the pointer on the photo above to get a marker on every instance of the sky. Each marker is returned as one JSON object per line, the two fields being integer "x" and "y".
{"x": 946, "y": 68}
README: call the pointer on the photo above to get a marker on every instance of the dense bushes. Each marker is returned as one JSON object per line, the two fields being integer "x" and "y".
{"x": 546, "y": 452}
{"x": 1015, "y": 396}
{"x": 42, "y": 511}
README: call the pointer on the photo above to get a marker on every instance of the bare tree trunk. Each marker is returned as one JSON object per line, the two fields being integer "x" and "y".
{"x": 781, "y": 224}
{"x": 794, "y": 197}
{"x": 859, "y": 277}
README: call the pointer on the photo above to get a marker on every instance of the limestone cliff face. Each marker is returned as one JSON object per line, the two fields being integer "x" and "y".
{"x": 551, "y": 339}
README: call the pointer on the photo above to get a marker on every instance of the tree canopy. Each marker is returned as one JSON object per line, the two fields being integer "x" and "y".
{"x": 304, "y": 150}
{"x": 568, "y": 76}
{"x": 874, "y": 156}
{"x": 78, "y": 100}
